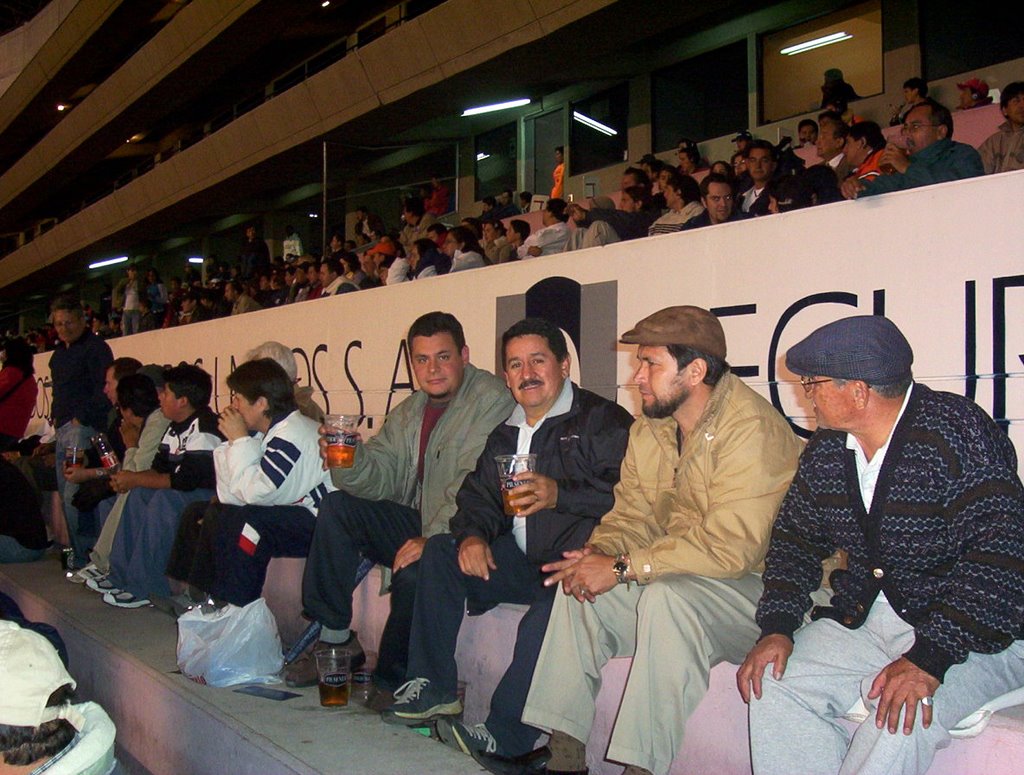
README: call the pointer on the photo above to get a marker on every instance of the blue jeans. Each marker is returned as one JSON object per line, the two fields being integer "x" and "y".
{"x": 12, "y": 551}
{"x": 69, "y": 435}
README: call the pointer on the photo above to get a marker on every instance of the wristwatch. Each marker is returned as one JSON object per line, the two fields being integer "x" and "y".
{"x": 621, "y": 568}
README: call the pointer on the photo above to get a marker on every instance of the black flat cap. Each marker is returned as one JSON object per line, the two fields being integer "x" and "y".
{"x": 864, "y": 347}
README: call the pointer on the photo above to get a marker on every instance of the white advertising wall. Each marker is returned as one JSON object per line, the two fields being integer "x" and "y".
{"x": 945, "y": 263}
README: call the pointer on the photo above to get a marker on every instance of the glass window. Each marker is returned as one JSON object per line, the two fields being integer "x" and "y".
{"x": 701, "y": 97}
{"x": 598, "y": 130}
{"x": 954, "y": 42}
{"x": 496, "y": 161}
{"x": 794, "y": 61}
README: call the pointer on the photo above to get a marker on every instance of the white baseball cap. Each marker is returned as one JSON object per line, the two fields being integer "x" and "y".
{"x": 30, "y": 671}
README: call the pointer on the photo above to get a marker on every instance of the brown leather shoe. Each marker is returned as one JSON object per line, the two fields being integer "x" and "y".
{"x": 301, "y": 672}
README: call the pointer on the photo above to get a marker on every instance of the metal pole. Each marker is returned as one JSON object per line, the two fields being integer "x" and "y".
{"x": 323, "y": 206}
{"x": 458, "y": 148}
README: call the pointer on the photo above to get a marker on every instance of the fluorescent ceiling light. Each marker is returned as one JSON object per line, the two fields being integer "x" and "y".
{"x": 827, "y": 40}
{"x": 195, "y": 259}
{"x": 325, "y": 3}
{"x": 482, "y": 156}
{"x": 62, "y": 106}
{"x": 597, "y": 125}
{"x": 314, "y": 215}
{"x": 108, "y": 262}
{"x": 496, "y": 106}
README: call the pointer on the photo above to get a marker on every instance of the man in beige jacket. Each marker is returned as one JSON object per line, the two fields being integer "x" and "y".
{"x": 671, "y": 575}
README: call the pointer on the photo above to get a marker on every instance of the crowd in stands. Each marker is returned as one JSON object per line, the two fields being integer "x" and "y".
{"x": 655, "y": 198}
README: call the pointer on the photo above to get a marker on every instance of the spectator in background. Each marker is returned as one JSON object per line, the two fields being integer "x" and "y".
{"x": 291, "y": 248}
{"x": 427, "y": 260}
{"x": 147, "y": 320}
{"x": 553, "y": 236}
{"x": 142, "y": 427}
{"x": 742, "y": 139}
{"x": 790, "y": 192}
{"x": 437, "y": 232}
{"x": 914, "y": 92}
{"x": 315, "y": 286}
{"x": 254, "y": 255}
{"x": 475, "y": 225}
{"x": 807, "y": 132}
{"x": 78, "y": 370}
{"x": 725, "y": 168}
{"x": 238, "y": 297}
{"x": 131, "y": 291}
{"x": 462, "y": 248}
{"x": 440, "y": 195}
{"x": 689, "y": 157}
{"x": 417, "y": 221}
{"x": 496, "y": 245}
{"x": 487, "y": 205}
{"x": 182, "y": 472}
{"x": 558, "y": 173}
{"x": 506, "y": 207}
{"x": 973, "y": 94}
{"x": 863, "y": 150}
{"x": 332, "y": 276}
{"x": 519, "y": 231}
{"x": 682, "y": 194}
{"x": 832, "y": 131}
{"x": 761, "y": 166}
{"x": 719, "y": 203}
{"x": 1004, "y": 150}
{"x": 18, "y": 390}
{"x": 931, "y": 155}
{"x": 156, "y": 292}
{"x": 525, "y": 199}
{"x": 836, "y": 87}
{"x": 824, "y": 185}
{"x": 174, "y": 296}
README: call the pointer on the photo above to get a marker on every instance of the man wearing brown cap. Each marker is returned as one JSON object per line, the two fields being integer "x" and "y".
{"x": 671, "y": 576}
{"x": 920, "y": 489}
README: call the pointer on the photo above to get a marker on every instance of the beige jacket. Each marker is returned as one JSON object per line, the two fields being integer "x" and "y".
{"x": 708, "y": 510}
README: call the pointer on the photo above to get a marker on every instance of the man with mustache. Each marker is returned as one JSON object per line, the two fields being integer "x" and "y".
{"x": 671, "y": 576}
{"x": 489, "y": 558}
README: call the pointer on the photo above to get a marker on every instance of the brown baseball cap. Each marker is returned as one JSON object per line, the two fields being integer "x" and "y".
{"x": 686, "y": 325}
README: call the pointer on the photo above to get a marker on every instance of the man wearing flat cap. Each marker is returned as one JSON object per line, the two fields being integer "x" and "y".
{"x": 920, "y": 488}
{"x": 671, "y": 575}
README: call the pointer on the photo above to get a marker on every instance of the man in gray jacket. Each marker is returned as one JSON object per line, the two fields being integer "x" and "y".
{"x": 399, "y": 492}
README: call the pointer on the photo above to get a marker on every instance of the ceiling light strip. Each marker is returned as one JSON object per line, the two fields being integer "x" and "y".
{"x": 826, "y": 40}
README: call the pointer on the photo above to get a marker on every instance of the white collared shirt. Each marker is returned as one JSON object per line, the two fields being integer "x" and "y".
{"x": 868, "y": 470}
{"x": 518, "y": 420}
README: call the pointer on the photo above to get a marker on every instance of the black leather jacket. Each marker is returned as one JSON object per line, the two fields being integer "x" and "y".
{"x": 581, "y": 449}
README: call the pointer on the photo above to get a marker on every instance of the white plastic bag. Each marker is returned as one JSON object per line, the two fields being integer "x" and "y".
{"x": 230, "y": 646}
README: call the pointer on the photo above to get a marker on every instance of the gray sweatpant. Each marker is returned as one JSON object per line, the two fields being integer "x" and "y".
{"x": 794, "y": 727}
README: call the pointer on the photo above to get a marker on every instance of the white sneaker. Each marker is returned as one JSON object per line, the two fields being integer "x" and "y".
{"x": 90, "y": 571}
{"x": 101, "y": 585}
{"x": 124, "y": 600}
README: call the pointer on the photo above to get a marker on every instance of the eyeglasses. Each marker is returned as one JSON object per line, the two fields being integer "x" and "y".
{"x": 916, "y": 126}
{"x": 808, "y": 384}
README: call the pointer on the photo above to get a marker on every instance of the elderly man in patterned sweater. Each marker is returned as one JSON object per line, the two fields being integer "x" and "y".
{"x": 920, "y": 488}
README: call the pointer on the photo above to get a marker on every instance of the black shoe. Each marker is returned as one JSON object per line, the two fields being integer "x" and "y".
{"x": 417, "y": 701}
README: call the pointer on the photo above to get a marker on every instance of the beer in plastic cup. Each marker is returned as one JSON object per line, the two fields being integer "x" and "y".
{"x": 508, "y": 467}
{"x": 341, "y": 441}
{"x": 333, "y": 668}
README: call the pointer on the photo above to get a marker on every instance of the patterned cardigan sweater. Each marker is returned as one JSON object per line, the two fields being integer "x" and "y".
{"x": 944, "y": 538}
